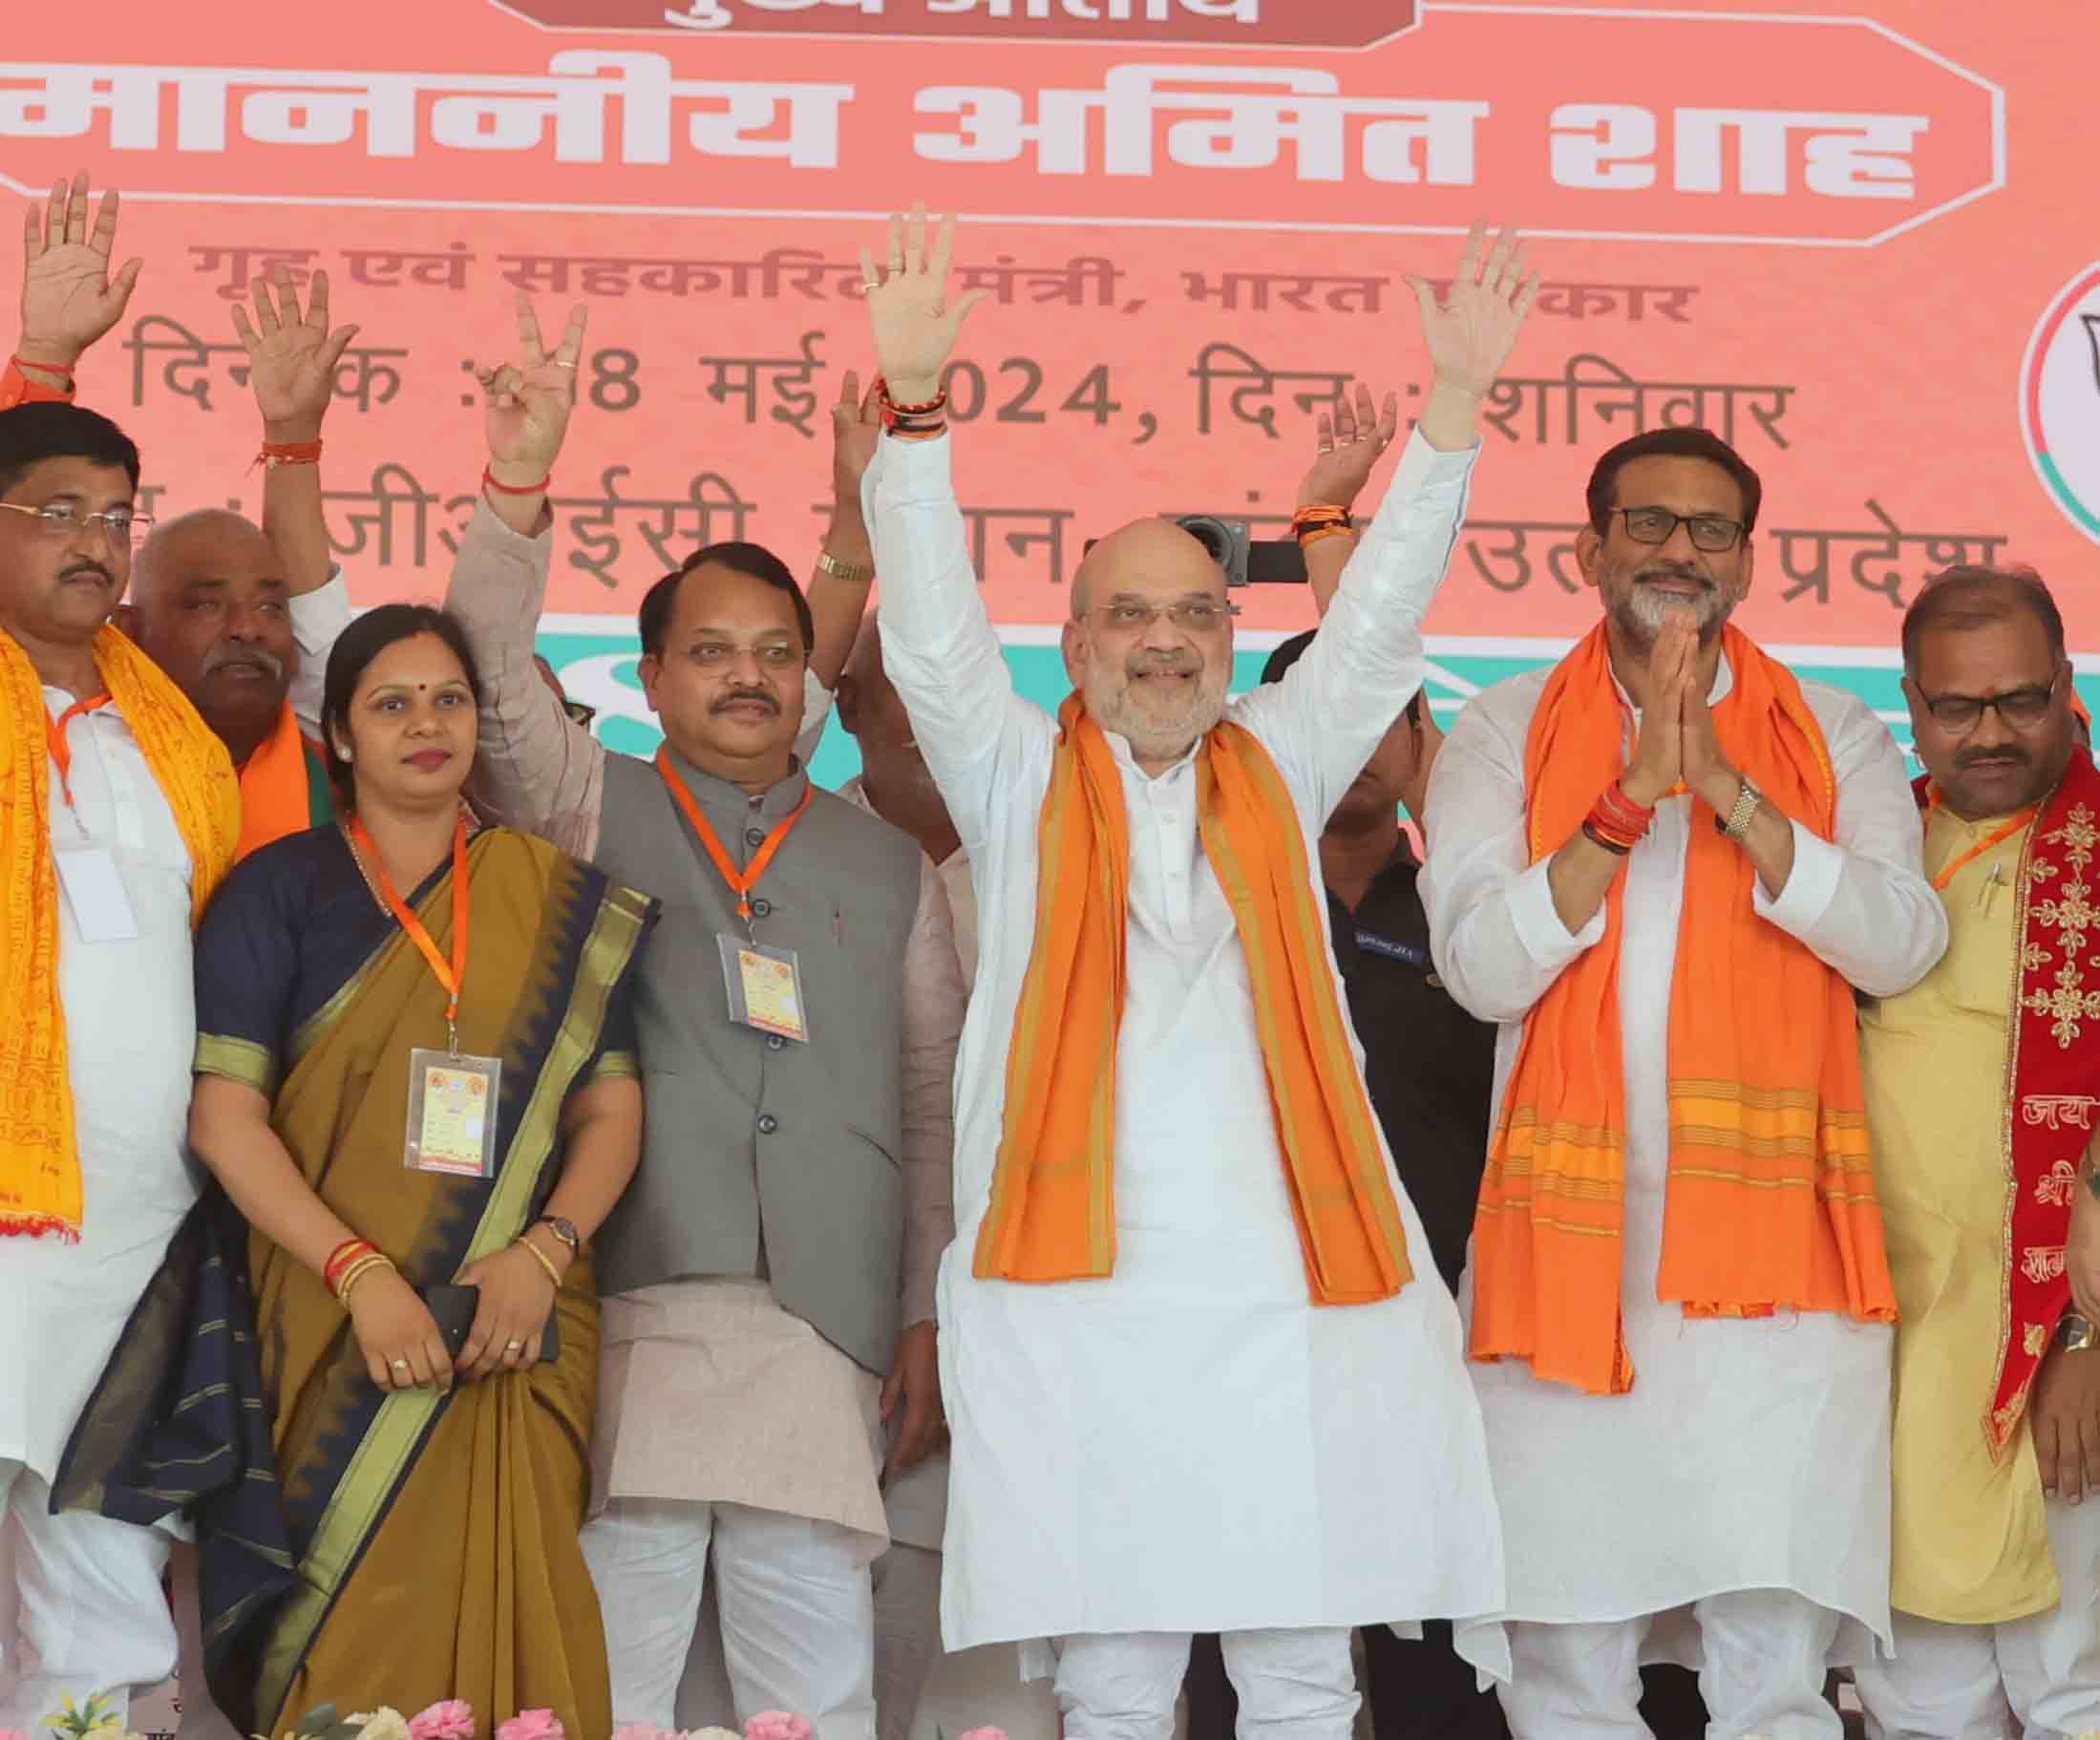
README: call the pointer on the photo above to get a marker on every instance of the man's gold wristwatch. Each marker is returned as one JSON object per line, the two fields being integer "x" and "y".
{"x": 1736, "y": 823}
{"x": 2075, "y": 1333}
{"x": 853, "y": 573}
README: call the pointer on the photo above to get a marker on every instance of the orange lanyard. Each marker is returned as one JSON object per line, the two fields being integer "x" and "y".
{"x": 1981, "y": 847}
{"x": 451, "y": 974}
{"x": 741, "y": 881}
{"x": 54, "y": 734}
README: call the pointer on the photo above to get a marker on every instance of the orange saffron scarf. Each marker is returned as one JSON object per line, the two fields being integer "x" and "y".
{"x": 276, "y": 794}
{"x": 1053, "y": 1212}
{"x": 1769, "y": 1202}
{"x": 40, "y": 1190}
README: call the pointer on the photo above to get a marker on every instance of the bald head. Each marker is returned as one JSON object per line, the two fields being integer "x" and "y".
{"x": 1149, "y": 556}
{"x": 210, "y": 603}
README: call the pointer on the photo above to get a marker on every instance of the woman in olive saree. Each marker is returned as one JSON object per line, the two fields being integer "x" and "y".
{"x": 432, "y": 1515}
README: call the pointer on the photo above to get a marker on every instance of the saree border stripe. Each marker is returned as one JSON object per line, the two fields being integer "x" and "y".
{"x": 382, "y": 1459}
{"x": 311, "y": 1030}
{"x": 240, "y": 1060}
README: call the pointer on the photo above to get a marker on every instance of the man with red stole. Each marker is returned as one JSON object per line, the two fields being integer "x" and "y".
{"x": 1981, "y": 1082}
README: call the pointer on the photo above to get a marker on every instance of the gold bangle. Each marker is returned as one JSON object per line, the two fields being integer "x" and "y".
{"x": 546, "y": 1262}
{"x": 357, "y": 1271}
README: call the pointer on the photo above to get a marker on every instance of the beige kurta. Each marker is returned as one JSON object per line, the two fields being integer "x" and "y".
{"x": 1970, "y": 1542}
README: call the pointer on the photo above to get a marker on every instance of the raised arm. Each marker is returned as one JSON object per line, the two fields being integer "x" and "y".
{"x": 939, "y": 646}
{"x": 70, "y": 297}
{"x": 535, "y": 768}
{"x": 845, "y": 565}
{"x": 1324, "y": 718}
{"x": 1349, "y": 444}
{"x": 291, "y": 367}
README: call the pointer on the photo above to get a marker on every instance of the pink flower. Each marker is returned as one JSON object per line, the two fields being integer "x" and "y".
{"x": 776, "y": 1725}
{"x": 450, "y": 1719}
{"x": 642, "y": 1731}
{"x": 12, "y": 1733}
{"x": 532, "y": 1725}
{"x": 981, "y": 1734}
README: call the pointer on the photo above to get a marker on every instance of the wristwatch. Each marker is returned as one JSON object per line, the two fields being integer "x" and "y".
{"x": 853, "y": 573}
{"x": 565, "y": 1230}
{"x": 2074, "y": 1333}
{"x": 1736, "y": 823}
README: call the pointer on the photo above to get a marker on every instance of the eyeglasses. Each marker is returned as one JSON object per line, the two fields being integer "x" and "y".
{"x": 1190, "y": 615}
{"x": 2021, "y": 708}
{"x": 1709, "y": 532}
{"x": 63, "y": 519}
{"x": 772, "y": 655}
{"x": 582, "y": 712}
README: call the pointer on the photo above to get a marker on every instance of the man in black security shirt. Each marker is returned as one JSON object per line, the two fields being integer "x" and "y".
{"x": 1430, "y": 1065}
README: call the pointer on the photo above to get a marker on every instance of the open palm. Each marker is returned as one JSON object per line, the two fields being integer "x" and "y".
{"x": 914, "y": 323}
{"x": 68, "y": 297}
{"x": 1470, "y": 330}
{"x": 292, "y": 356}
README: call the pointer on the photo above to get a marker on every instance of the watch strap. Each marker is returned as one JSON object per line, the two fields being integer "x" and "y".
{"x": 1736, "y": 823}
{"x": 853, "y": 573}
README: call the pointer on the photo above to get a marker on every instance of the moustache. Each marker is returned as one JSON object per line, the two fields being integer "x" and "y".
{"x": 1998, "y": 757}
{"x": 91, "y": 567}
{"x": 1674, "y": 571}
{"x": 737, "y": 697}
{"x": 256, "y": 658}
{"x": 1163, "y": 663}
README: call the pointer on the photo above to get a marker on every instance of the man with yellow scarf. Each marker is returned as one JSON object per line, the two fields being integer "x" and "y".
{"x": 1200, "y": 1373}
{"x": 1663, "y": 865}
{"x": 118, "y": 816}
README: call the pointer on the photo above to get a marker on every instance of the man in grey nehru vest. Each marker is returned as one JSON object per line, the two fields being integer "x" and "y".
{"x": 771, "y": 1267}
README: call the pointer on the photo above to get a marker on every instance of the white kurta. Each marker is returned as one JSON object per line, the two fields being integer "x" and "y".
{"x": 130, "y": 1036}
{"x": 131, "y": 1032}
{"x": 1750, "y": 1453}
{"x": 1191, "y": 1444}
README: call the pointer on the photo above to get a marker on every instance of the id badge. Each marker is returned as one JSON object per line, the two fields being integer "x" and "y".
{"x": 764, "y": 986}
{"x": 94, "y": 890}
{"x": 452, "y": 1112}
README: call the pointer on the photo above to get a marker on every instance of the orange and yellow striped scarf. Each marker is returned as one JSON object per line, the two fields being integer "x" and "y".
{"x": 1052, "y": 1211}
{"x": 39, "y": 1161}
{"x": 1770, "y": 1201}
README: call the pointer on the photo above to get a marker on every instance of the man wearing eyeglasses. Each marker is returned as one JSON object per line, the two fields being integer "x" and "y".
{"x": 1663, "y": 866}
{"x": 772, "y": 1264}
{"x": 118, "y": 816}
{"x": 1979, "y": 1097}
{"x": 1201, "y": 1373}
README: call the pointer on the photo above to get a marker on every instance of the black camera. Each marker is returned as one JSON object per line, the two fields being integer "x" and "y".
{"x": 1247, "y": 561}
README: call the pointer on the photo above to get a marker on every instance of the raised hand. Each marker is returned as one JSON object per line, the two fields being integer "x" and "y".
{"x": 1471, "y": 333}
{"x": 855, "y": 428}
{"x": 528, "y": 402}
{"x": 1349, "y": 444}
{"x": 1658, "y": 754}
{"x": 914, "y": 323}
{"x": 68, "y": 297}
{"x": 292, "y": 357}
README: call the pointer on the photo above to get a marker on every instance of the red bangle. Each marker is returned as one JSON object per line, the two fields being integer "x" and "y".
{"x": 488, "y": 481}
{"x": 342, "y": 1256}
{"x": 61, "y": 369}
{"x": 939, "y": 401}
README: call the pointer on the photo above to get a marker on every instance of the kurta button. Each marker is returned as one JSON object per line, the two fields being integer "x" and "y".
{"x": 768, "y": 1124}
{"x": 775, "y": 1043}
{"x": 754, "y": 836}
{"x": 761, "y": 909}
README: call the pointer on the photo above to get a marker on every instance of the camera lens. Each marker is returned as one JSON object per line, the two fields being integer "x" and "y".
{"x": 1211, "y": 534}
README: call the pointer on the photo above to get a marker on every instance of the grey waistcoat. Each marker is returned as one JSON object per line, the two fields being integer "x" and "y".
{"x": 753, "y": 1143}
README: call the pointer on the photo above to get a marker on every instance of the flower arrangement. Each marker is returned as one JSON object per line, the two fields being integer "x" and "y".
{"x": 452, "y": 1719}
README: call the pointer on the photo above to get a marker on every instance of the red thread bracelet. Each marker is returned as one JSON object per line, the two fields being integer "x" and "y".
{"x": 20, "y": 361}
{"x": 488, "y": 481}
